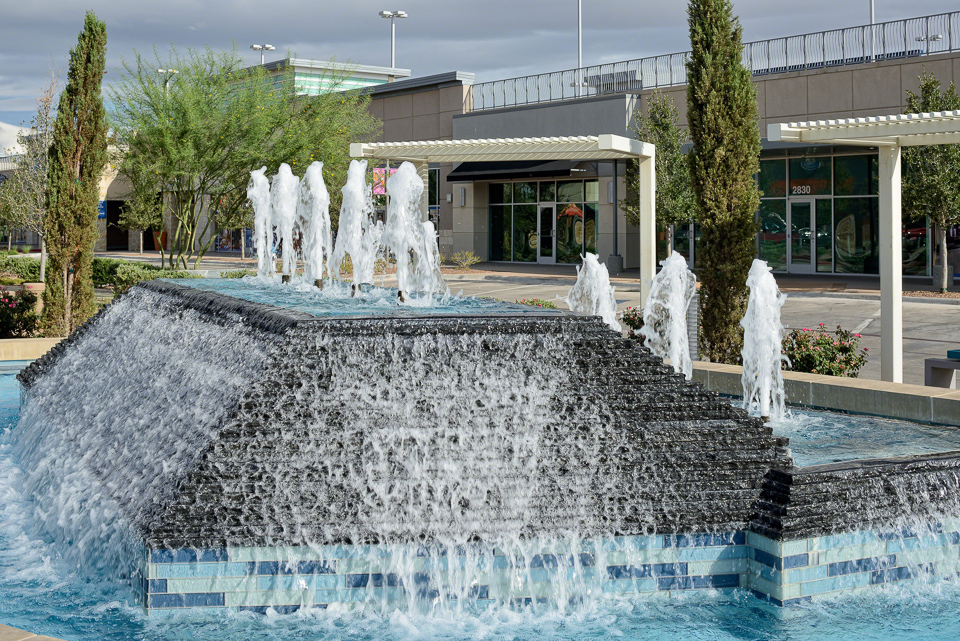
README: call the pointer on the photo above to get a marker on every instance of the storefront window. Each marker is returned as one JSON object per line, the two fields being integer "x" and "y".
{"x": 591, "y": 190}
{"x": 810, "y": 176}
{"x": 501, "y": 193}
{"x": 856, "y": 175}
{"x": 590, "y": 225}
{"x": 773, "y": 178}
{"x": 525, "y": 192}
{"x": 569, "y": 191}
{"x": 433, "y": 188}
{"x": 824, "y": 235}
{"x": 569, "y": 233}
{"x": 525, "y": 232}
{"x": 548, "y": 191}
{"x": 501, "y": 235}
{"x": 914, "y": 248}
{"x": 855, "y": 236}
{"x": 773, "y": 233}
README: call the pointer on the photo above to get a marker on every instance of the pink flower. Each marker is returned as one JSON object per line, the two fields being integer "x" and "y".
{"x": 857, "y": 335}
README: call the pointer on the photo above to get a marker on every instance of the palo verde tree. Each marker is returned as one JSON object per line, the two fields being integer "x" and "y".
{"x": 931, "y": 176}
{"x": 675, "y": 203}
{"x": 23, "y": 199}
{"x": 190, "y": 139}
{"x": 722, "y": 112}
{"x": 78, "y": 154}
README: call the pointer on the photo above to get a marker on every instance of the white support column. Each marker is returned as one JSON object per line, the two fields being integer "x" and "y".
{"x": 423, "y": 170}
{"x": 891, "y": 267}
{"x": 648, "y": 226}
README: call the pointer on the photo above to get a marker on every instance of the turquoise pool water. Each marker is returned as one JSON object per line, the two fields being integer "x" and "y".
{"x": 336, "y": 299}
{"x": 40, "y": 593}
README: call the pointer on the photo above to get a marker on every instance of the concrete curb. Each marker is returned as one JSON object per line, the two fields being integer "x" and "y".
{"x": 876, "y": 297}
{"x": 25, "y": 349}
{"x": 13, "y": 634}
{"x": 854, "y": 395}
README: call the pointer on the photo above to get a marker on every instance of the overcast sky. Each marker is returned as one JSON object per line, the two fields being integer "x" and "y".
{"x": 494, "y": 39}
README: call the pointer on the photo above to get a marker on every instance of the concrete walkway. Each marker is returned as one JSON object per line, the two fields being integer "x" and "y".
{"x": 13, "y": 634}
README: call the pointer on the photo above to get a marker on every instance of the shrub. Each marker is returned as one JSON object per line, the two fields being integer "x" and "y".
{"x": 538, "y": 302}
{"x": 237, "y": 273}
{"x": 22, "y": 267}
{"x": 18, "y": 315}
{"x": 632, "y": 317}
{"x": 129, "y": 274}
{"x": 465, "y": 259}
{"x": 816, "y": 351}
{"x": 105, "y": 270}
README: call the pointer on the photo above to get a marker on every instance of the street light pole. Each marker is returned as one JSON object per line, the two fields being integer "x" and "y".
{"x": 261, "y": 49}
{"x": 579, "y": 46}
{"x": 873, "y": 45}
{"x": 393, "y": 15}
{"x": 169, "y": 74}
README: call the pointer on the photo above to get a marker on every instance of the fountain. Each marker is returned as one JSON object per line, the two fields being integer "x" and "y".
{"x": 665, "y": 313}
{"x": 260, "y": 447}
{"x": 592, "y": 293}
{"x": 762, "y": 339}
{"x": 313, "y": 221}
{"x": 359, "y": 234}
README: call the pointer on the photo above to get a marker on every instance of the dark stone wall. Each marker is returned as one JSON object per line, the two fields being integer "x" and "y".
{"x": 875, "y": 494}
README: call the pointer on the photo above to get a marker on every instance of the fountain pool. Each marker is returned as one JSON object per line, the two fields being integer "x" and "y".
{"x": 431, "y": 472}
{"x": 41, "y": 592}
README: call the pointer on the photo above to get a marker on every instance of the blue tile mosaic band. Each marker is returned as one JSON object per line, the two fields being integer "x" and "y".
{"x": 781, "y": 572}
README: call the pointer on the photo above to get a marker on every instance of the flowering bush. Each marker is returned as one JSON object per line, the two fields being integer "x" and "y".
{"x": 817, "y": 351}
{"x": 538, "y": 302}
{"x": 632, "y": 318}
{"x": 18, "y": 315}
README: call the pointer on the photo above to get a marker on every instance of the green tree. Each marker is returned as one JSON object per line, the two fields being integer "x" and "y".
{"x": 78, "y": 154}
{"x": 931, "y": 177}
{"x": 675, "y": 203}
{"x": 23, "y": 198}
{"x": 194, "y": 136}
{"x": 722, "y": 112}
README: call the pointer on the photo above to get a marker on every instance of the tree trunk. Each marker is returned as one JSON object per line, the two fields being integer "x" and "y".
{"x": 67, "y": 300}
{"x": 9, "y": 239}
{"x": 243, "y": 244}
{"x": 669, "y": 240}
{"x": 944, "y": 266}
{"x": 141, "y": 243}
{"x": 43, "y": 259}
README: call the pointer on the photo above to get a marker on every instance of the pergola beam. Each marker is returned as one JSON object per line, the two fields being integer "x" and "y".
{"x": 604, "y": 147}
{"x": 890, "y": 134}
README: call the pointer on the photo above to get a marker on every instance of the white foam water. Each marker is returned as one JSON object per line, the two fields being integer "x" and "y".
{"x": 283, "y": 205}
{"x": 313, "y": 221}
{"x": 358, "y": 235}
{"x": 412, "y": 240}
{"x": 665, "y": 313}
{"x": 258, "y": 191}
{"x": 762, "y": 353}
{"x": 592, "y": 293}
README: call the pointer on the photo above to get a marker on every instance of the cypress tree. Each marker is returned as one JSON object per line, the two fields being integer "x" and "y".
{"x": 723, "y": 118}
{"x": 78, "y": 155}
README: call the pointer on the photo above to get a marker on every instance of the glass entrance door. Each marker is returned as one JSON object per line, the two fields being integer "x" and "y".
{"x": 546, "y": 252}
{"x": 801, "y": 239}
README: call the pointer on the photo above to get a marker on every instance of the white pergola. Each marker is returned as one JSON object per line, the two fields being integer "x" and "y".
{"x": 889, "y": 134}
{"x": 603, "y": 147}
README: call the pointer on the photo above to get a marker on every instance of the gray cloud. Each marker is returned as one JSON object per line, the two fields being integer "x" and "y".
{"x": 494, "y": 39}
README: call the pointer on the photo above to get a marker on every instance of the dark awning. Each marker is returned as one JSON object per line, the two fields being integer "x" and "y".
{"x": 471, "y": 171}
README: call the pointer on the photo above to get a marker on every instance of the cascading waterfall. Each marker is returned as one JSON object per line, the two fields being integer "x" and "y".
{"x": 283, "y": 205}
{"x": 359, "y": 234}
{"x": 412, "y": 240}
{"x": 258, "y": 191}
{"x": 665, "y": 313}
{"x": 592, "y": 293}
{"x": 313, "y": 221}
{"x": 762, "y": 352}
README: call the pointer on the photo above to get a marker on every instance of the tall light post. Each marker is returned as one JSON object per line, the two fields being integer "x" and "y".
{"x": 261, "y": 49}
{"x": 169, "y": 73}
{"x": 393, "y": 15}
{"x": 579, "y": 45}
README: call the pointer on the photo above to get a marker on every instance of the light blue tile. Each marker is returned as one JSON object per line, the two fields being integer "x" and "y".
{"x": 629, "y": 586}
{"x": 802, "y": 575}
{"x": 297, "y": 582}
{"x": 200, "y": 570}
{"x": 770, "y": 574}
{"x": 573, "y": 574}
{"x": 761, "y": 542}
{"x": 843, "y": 540}
{"x": 326, "y": 596}
{"x": 653, "y": 542}
{"x": 915, "y": 543}
{"x": 713, "y": 553}
{"x": 846, "y": 582}
{"x": 790, "y": 548}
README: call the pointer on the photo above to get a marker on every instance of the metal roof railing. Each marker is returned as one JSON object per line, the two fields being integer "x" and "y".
{"x": 912, "y": 37}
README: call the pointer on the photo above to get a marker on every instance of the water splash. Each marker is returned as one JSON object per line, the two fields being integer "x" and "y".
{"x": 762, "y": 354}
{"x": 665, "y": 313}
{"x": 283, "y": 204}
{"x": 359, "y": 234}
{"x": 313, "y": 220}
{"x": 258, "y": 191}
{"x": 412, "y": 241}
{"x": 592, "y": 293}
